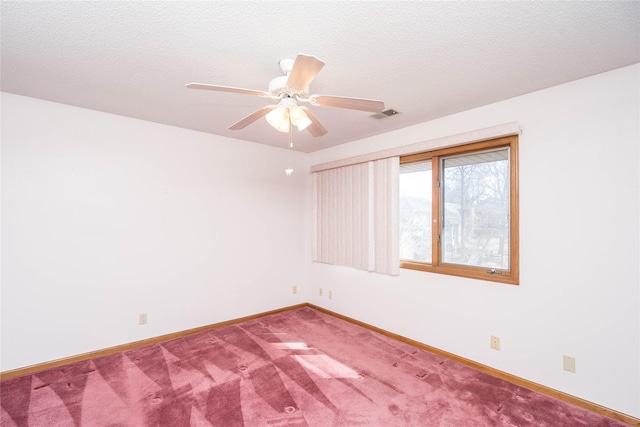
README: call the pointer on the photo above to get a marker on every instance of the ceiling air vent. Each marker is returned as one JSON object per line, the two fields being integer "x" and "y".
{"x": 383, "y": 115}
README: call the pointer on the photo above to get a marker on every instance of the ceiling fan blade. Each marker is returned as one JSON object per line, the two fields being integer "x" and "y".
{"x": 370, "y": 105}
{"x": 315, "y": 128}
{"x": 305, "y": 68}
{"x": 228, "y": 89}
{"x": 252, "y": 117}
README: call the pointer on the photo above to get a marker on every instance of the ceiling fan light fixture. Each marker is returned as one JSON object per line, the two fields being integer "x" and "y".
{"x": 284, "y": 125}
{"x": 286, "y": 113}
{"x": 299, "y": 117}
{"x": 276, "y": 118}
{"x": 303, "y": 122}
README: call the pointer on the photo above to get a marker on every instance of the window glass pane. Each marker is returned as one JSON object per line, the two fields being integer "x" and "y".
{"x": 415, "y": 211}
{"x": 475, "y": 192}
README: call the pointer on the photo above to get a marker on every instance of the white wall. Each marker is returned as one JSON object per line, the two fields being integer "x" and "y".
{"x": 579, "y": 238}
{"x": 105, "y": 217}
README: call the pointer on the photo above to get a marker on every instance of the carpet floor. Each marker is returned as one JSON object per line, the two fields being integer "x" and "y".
{"x": 291, "y": 369}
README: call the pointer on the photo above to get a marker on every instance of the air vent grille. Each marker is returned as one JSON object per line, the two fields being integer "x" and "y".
{"x": 384, "y": 114}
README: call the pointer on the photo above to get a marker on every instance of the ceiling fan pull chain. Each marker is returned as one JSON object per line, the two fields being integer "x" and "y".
{"x": 289, "y": 170}
{"x": 290, "y": 132}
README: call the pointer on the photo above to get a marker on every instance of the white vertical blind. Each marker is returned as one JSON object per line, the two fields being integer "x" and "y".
{"x": 386, "y": 218}
{"x": 356, "y": 216}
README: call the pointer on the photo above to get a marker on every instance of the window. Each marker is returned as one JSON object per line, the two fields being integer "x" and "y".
{"x": 459, "y": 210}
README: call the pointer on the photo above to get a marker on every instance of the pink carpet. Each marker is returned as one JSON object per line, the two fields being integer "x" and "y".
{"x": 297, "y": 368}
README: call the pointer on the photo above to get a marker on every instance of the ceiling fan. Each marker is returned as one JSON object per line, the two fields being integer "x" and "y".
{"x": 288, "y": 91}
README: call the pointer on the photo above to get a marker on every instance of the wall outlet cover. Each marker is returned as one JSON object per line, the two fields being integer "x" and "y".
{"x": 569, "y": 364}
{"x": 495, "y": 342}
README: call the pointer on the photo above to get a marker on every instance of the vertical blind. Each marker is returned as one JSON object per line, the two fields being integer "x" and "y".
{"x": 356, "y": 216}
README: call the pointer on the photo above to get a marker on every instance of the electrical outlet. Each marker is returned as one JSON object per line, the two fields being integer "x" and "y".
{"x": 142, "y": 319}
{"x": 495, "y": 342}
{"x": 320, "y": 291}
{"x": 569, "y": 363}
{"x": 330, "y": 295}
{"x": 295, "y": 289}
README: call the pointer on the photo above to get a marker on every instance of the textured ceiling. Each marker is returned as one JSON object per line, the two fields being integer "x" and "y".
{"x": 424, "y": 59}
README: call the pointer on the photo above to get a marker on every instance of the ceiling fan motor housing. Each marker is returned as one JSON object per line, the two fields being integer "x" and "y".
{"x": 278, "y": 89}
{"x": 278, "y": 86}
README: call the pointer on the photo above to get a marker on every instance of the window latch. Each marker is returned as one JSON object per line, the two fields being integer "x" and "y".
{"x": 494, "y": 271}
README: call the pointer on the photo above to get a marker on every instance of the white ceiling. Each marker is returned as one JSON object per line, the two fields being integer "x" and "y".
{"x": 424, "y": 59}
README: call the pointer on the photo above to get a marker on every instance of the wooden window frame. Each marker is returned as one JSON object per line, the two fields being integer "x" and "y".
{"x": 511, "y": 276}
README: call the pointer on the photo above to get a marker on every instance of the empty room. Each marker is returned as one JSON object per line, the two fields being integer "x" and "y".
{"x": 320, "y": 213}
